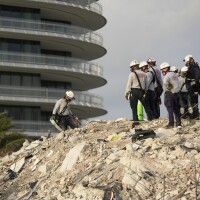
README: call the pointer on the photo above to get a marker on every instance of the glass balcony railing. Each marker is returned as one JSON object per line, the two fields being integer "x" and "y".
{"x": 88, "y": 4}
{"x": 46, "y": 95}
{"x": 58, "y": 61}
{"x": 52, "y": 29}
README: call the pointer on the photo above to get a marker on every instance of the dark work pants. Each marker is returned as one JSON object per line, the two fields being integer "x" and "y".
{"x": 171, "y": 102}
{"x": 194, "y": 90}
{"x": 151, "y": 100}
{"x": 185, "y": 102}
{"x": 67, "y": 120}
{"x": 157, "y": 107}
{"x": 194, "y": 101}
{"x": 137, "y": 94}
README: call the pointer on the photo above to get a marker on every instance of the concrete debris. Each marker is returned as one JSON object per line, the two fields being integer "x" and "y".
{"x": 100, "y": 161}
{"x": 18, "y": 165}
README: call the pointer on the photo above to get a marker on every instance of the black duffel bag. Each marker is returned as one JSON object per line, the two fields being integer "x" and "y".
{"x": 141, "y": 134}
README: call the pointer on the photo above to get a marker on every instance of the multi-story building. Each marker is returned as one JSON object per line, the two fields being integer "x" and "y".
{"x": 46, "y": 48}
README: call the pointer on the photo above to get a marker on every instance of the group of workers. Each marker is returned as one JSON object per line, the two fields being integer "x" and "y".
{"x": 181, "y": 89}
{"x": 145, "y": 84}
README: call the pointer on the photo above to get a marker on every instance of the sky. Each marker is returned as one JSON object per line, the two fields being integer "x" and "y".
{"x": 139, "y": 29}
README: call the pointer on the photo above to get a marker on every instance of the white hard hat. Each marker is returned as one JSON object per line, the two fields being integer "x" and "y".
{"x": 151, "y": 60}
{"x": 133, "y": 63}
{"x": 164, "y": 65}
{"x": 173, "y": 69}
{"x": 70, "y": 94}
{"x": 187, "y": 58}
{"x": 184, "y": 69}
{"x": 142, "y": 64}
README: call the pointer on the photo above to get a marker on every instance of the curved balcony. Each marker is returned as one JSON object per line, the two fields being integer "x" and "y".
{"x": 82, "y": 42}
{"x": 83, "y": 75}
{"x": 86, "y": 105}
{"x": 33, "y": 128}
{"x": 87, "y": 13}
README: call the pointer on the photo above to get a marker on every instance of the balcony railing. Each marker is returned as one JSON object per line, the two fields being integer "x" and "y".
{"x": 58, "y": 30}
{"x": 88, "y": 4}
{"x": 36, "y": 59}
{"x": 45, "y": 94}
{"x": 34, "y": 128}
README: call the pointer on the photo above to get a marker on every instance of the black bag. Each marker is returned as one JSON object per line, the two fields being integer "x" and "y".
{"x": 141, "y": 134}
{"x": 158, "y": 89}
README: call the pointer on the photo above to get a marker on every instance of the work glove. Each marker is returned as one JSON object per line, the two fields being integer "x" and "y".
{"x": 144, "y": 94}
{"x": 127, "y": 95}
{"x": 190, "y": 110}
{"x": 169, "y": 87}
{"x": 54, "y": 116}
{"x": 182, "y": 110}
{"x": 159, "y": 100}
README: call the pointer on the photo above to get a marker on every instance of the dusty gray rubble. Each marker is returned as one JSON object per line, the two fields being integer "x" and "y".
{"x": 100, "y": 161}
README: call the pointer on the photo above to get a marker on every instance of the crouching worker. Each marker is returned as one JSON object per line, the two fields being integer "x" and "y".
{"x": 62, "y": 114}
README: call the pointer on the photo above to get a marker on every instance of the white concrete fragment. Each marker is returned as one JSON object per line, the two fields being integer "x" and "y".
{"x": 33, "y": 144}
{"x": 72, "y": 157}
{"x": 50, "y": 153}
{"x": 189, "y": 145}
{"x": 60, "y": 136}
{"x": 18, "y": 165}
{"x": 44, "y": 168}
{"x": 111, "y": 158}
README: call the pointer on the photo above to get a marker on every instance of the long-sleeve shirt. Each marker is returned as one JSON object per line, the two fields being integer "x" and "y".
{"x": 158, "y": 74}
{"x": 171, "y": 79}
{"x": 133, "y": 81}
{"x": 60, "y": 105}
{"x": 149, "y": 84}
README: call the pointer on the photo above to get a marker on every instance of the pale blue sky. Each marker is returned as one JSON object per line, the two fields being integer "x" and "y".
{"x": 139, "y": 29}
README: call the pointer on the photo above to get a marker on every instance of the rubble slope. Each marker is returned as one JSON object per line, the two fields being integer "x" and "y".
{"x": 100, "y": 161}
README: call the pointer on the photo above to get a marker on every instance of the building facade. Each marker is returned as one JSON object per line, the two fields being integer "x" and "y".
{"x": 46, "y": 48}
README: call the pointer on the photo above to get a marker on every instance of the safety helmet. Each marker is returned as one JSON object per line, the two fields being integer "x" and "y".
{"x": 184, "y": 69}
{"x": 134, "y": 63}
{"x": 142, "y": 64}
{"x": 173, "y": 69}
{"x": 70, "y": 94}
{"x": 187, "y": 58}
{"x": 151, "y": 60}
{"x": 164, "y": 65}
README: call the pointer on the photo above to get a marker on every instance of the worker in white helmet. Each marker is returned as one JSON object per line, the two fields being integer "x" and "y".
{"x": 150, "y": 95}
{"x": 185, "y": 103}
{"x": 193, "y": 82}
{"x": 62, "y": 113}
{"x": 135, "y": 90}
{"x": 171, "y": 98}
{"x": 174, "y": 69}
{"x": 158, "y": 84}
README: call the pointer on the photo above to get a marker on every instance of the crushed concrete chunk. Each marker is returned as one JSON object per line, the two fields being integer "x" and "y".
{"x": 72, "y": 157}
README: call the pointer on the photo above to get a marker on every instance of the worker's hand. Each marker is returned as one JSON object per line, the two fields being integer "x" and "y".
{"x": 54, "y": 117}
{"x": 144, "y": 95}
{"x": 127, "y": 95}
{"x": 169, "y": 87}
{"x": 76, "y": 118}
{"x": 159, "y": 100}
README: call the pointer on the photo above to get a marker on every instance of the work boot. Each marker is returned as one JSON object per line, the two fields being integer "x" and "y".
{"x": 135, "y": 124}
{"x": 190, "y": 110}
{"x": 169, "y": 126}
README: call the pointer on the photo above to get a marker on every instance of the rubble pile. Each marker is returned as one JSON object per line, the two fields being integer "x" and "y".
{"x": 100, "y": 161}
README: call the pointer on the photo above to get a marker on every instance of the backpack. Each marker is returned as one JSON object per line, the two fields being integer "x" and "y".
{"x": 159, "y": 89}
